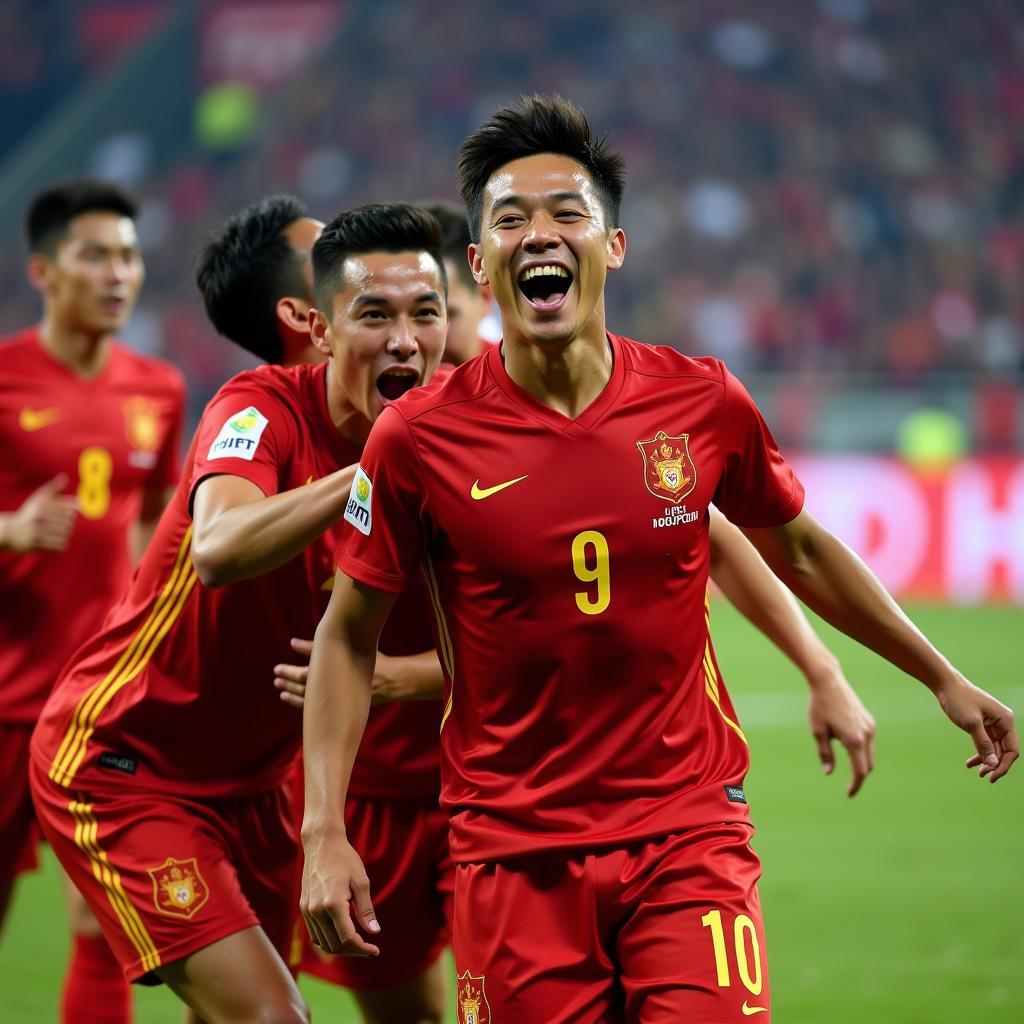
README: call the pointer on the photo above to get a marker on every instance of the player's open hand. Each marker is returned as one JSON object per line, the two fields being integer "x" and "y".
{"x": 336, "y": 898}
{"x": 990, "y": 724}
{"x": 291, "y": 679}
{"x": 45, "y": 519}
{"x": 836, "y": 713}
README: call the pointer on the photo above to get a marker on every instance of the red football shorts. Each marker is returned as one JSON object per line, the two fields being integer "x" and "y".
{"x": 404, "y": 848}
{"x": 660, "y": 932}
{"x": 19, "y": 831}
{"x": 167, "y": 876}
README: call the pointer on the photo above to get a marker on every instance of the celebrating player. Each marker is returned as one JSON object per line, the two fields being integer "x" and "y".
{"x": 90, "y": 432}
{"x": 160, "y": 762}
{"x": 555, "y": 496}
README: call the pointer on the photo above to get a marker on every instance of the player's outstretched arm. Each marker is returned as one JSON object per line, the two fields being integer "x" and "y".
{"x": 239, "y": 533}
{"x": 836, "y": 584}
{"x": 335, "y": 890}
{"x": 834, "y": 709}
{"x": 43, "y": 522}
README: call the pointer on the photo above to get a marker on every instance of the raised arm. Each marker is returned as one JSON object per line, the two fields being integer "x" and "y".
{"x": 834, "y": 709}
{"x": 337, "y": 702}
{"x": 839, "y": 587}
{"x": 240, "y": 533}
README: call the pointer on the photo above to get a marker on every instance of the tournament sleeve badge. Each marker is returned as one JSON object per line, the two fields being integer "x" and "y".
{"x": 359, "y": 508}
{"x": 669, "y": 471}
{"x": 240, "y": 436}
{"x": 178, "y": 888}
{"x": 473, "y": 1005}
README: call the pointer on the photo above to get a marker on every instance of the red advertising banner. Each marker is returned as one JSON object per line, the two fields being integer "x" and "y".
{"x": 264, "y": 42}
{"x": 955, "y": 535}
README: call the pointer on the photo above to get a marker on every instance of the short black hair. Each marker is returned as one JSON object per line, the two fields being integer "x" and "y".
{"x": 454, "y": 235}
{"x": 376, "y": 227}
{"x": 538, "y": 124}
{"x": 53, "y": 209}
{"x": 244, "y": 270}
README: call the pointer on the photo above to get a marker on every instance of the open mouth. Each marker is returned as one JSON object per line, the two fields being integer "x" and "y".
{"x": 395, "y": 381}
{"x": 545, "y": 287}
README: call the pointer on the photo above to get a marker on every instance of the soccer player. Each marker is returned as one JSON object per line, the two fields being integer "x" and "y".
{"x": 90, "y": 432}
{"x": 468, "y": 301}
{"x": 160, "y": 763}
{"x": 554, "y": 495}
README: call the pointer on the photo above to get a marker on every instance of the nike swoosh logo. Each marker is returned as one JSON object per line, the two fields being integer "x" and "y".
{"x": 749, "y": 1011}
{"x": 478, "y": 493}
{"x": 36, "y": 419}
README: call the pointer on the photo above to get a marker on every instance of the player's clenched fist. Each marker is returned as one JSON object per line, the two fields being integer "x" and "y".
{"x": 336, "y": 897}
{"x": 989, "y": 722}
{"x": 44, "y": 520}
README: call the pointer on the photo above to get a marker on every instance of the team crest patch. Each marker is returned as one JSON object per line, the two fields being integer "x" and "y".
{"x": 142, "y": 423}
{"x": 669, "y": 471}
{"x": 178, "y": 888}
{"x": 473, "y": 1005}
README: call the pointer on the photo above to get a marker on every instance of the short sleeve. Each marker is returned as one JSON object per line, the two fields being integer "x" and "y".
{"x": 168, "y": 464}
{"x": 382, "y": 537}
{"x": 246, "y": 432}
{"x": 757, "y": 487}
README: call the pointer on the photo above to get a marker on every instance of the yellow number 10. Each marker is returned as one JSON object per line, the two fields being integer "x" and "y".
{"x": 593, "y": 544}
{"x": 742, "y": 928}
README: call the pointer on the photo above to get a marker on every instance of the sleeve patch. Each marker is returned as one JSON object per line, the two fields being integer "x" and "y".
{"x": 240, "y": 436}
{"x": 358, "y": 510}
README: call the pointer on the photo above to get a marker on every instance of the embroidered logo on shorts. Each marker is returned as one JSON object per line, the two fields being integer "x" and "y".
{"x": 735, "y": 794}
{"x": 119, "y": 763}
{"x": 178, "y": 888}
{"x": 473, "y": 1005}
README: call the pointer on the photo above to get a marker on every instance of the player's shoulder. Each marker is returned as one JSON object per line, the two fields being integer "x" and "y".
{"x": 20, "y": 348}
{"x": 149, "y": 373}
{"x": 665, "y": 361}
{"x": 275, "y": 387}
{"x": 449, "y": 387}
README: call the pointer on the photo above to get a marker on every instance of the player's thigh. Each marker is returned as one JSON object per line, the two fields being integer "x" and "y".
{"x": 397, "y": 843}
{"x": 153, "y": 869}
{"x": 19, "y": 830}
{"x": 693, "y": 947}
{"x": 80, "y": 916}
{"x": 239, "y": 978}
{"x": 529, "y": 944}
{"x": 423, "y": 1000}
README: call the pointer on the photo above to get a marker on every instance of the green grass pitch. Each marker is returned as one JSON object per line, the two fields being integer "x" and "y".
{"x": 902, "y": 906}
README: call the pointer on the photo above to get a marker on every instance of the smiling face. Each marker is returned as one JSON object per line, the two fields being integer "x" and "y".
{"x": 545, "y": 249}
{"x": 385, "y": 331}
{"x": 91, "y": 282}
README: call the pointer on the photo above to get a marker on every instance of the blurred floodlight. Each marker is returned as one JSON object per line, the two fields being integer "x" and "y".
{"x": 717, "y": 209}
{"x": 226, "y": 116}
{"x": 325, "y": 173}
{"x": 123, "y": 159}
{"x": 743, "y": 44}
{"x": 932, "y": 439}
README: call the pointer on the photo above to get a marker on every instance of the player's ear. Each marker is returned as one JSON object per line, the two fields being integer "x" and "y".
{"x": 616, "y": 248}
{"x": 476, "y": 263}
{"x": 37, "y": 270}
{"x": 293, "y": 313}
{"x": 319, "y": 329}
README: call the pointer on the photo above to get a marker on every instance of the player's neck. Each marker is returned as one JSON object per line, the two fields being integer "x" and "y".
{"x": 347, "y": 420}
{"x": 565, "y": 378}
{"x": 84, "y": 353}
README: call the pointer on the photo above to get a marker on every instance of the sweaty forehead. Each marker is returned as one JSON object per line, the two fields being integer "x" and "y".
{"x": 390, "y": 275}
{"x": 538, "y": 176}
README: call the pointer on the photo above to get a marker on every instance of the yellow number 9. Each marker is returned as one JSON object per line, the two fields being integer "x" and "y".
{"x": 95, "y": 467}
{"x": 599, "y": 574}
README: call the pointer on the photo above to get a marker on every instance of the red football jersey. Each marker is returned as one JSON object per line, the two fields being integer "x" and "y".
{"x": 567, "y": 562}
{"x": 176, "y": 691}
{"x": 115, "y": 435}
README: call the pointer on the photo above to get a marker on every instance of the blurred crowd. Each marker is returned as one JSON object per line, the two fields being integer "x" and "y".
{"x": 814, "y": 185}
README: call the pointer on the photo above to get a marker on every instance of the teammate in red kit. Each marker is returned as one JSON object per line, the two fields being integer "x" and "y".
{"x": 90, "y": 432}
{"x": 160, "y": 761}
{"x": 554, "y": 495}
